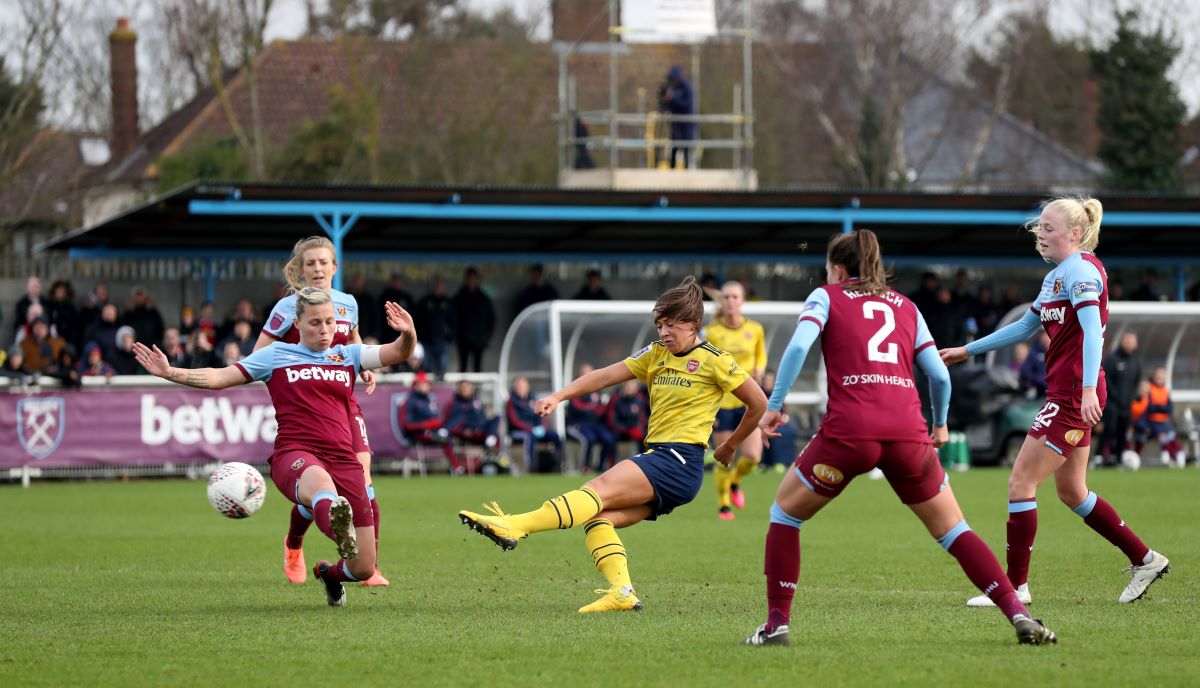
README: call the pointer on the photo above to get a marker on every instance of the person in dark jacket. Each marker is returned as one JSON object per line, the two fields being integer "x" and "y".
{"x": 104, "y": 331}
{"x": 63, "y": 314}
{"x": 144, "y": 318}
{"x": 467, "y": 421}
{"x": 435, "y": 321}
{"x": 32, "y": 295}
{"x": 92, "y": 364}
{"x": 537, "y": 291}
{"x": 90, "y": 307}
{"x": 422, "y": 422}
{"x": 525, "y": 425}
{"x": 585, "y": 424}
{"x": 123, "y": 360}
{"x": 592, "y": 289}
{"x": 474, "y": 322}
{"x": 676, "y": 96}
{"x": 395, "y": 292}
{"x": 1033, "y": 370}
{"x": 370, "y": 312}
{"x": 1122, "y": 372}
{"x": 628, "y": 413}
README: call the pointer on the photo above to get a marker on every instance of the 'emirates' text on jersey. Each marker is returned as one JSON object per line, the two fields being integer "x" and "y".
{"x": 869, "y": 343}
{"x": 311, "y": 391}
{"x": 281, "y": 321}
{"x": 1074, "y": 283}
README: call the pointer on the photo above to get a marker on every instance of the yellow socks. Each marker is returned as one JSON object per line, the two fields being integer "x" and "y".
{"x": 745, "y": 466}
{"x": 724, "y": 478}
{"x": 564, "y": 511}
{"x": 608, "y": 554}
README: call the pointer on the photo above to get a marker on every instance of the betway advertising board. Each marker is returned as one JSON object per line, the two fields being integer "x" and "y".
{"x": 124, "y": 426}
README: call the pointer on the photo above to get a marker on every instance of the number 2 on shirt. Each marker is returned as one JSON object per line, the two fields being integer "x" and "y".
{"x": 874, "y": 352}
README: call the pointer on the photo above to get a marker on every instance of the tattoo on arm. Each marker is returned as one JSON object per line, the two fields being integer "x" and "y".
{"x": 191, "y": 378}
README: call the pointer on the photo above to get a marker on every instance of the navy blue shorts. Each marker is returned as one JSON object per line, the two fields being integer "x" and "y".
{"x": 675, "y": 471}
{"x": 728, "y": 419}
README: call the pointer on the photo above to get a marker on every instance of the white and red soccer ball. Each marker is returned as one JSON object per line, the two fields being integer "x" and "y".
{"x": 236, "y": 490}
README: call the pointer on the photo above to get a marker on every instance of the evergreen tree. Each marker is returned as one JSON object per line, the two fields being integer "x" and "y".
{"x": 1141, "y": 114}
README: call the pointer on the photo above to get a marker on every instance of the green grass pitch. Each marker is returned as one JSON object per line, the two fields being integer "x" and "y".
{"x": 141, "y": 583}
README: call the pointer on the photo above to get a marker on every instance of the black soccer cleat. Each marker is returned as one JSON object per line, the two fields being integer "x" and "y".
{"x": 1033, "y": 631}
{"x": 335, "y": 592}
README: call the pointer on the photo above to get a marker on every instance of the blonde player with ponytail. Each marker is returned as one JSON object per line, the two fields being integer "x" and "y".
{"x": 1072, "y": 307}
{"x": 743, "y": 339}
{"x": 313, "y": 264}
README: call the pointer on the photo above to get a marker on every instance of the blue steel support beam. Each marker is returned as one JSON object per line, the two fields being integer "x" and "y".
{"x": 210, "y": 281}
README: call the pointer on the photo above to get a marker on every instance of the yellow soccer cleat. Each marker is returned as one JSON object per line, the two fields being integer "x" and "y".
{"x": 498, "y": 527}
{"x": 614, "y": 600}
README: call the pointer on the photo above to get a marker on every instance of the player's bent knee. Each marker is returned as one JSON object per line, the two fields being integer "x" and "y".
{"x": 362, "y": 566}
{"x": 1073, "y": 497}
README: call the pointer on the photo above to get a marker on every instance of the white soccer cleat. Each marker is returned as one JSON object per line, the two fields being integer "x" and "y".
{"x": 875, "y": 474}
{"x": 1143, "y": 576}
{"x": 1023, "y": 597}
{"x": 1181, "y": 459}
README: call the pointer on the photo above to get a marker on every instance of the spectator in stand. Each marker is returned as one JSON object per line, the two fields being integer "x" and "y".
{"x": 65, "y": 368}
{"x": 243, "y": 310}
{"x": 422, "y": 423}
{"x": 1032, "y": 377}
{"x": 467, "y": 421}
{"x": 123, "y": 360}
{"x": 243, "y": 337}
{"x": 538, "y": 289}
{"x": 206, "y": 322}
{"x": 1148, "y": 291}
{"x": 173, "y": 348}
{"x": 628, "y": 414}
{"x": 781, "y": 451}
{"x": 231, "y": 353}
{"x": 986, "y": 312}
{"x": 144, "y": 318}
{"x": 187, "y": 322}
{"x": 963, "y": 299}
{"x": 1116, "y": 290}
{"x": 1012, "y": 299}
{"x": 104, "y": 331}
{"x": 1122, "y": 373}
{"x": 32, "y": 314}
{"x": 33, "y": 295}
{"x": 525, "y": 425}
{"x": 40, "y": 347}
{"x": 926, "y": 295}
{"x": 944, "y": 318}
{"x": 1020, "y": 352}
{"x": 677, "y": 97}
{"x": 1158, "y": 421}
{"x": 370, "y": 320}
{"x": 435, "y": 321}
{"x": 93, "y": 363}
{"x": 474, "y": 322}
{"x": 592, "y": 288}
{"x": 585, "y": 424}
{"x": 395, "y": 292}
{"x": 89, "y": 310}
{"x": 200, "y": 350}
{"x": 63, "y": 314}
{"x": 14, "y": 368}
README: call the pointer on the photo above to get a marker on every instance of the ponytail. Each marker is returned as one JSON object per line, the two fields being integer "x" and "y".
{"x": 859, "y": 252}
{"x": 293, "y": 270}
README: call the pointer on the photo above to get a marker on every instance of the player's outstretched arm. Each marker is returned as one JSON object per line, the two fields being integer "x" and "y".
{"x": 1008, "y": 335}
{"x": 594, "y": 381}
{"x": 155, "y": 362}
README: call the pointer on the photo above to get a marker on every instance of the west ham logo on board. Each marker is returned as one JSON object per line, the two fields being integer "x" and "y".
{"x": 41, "y": 422}
{"x": 692, "y": 365}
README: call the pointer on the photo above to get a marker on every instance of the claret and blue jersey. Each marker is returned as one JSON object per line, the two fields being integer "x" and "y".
{"x": 311, "y": 392}
{"x": 281, "y": 320}
{"x": 1075, "y": 283}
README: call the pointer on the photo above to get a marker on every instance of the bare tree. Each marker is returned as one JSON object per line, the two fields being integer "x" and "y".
{"x": 31, "y": 44}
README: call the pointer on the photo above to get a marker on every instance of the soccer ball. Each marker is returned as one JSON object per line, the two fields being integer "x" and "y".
{"x": 1131, "y": 459}
{"x": 236, "y": 490}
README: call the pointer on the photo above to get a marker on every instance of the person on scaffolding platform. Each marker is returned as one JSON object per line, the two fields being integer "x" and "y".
{"x": 675, "y": 95}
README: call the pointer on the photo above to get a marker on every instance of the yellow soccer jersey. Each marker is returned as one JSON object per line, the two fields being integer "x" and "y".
{"x": 685, "y": 389}
{"x": 746, "y": 343}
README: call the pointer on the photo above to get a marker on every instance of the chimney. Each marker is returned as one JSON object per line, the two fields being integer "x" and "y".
{"x": 122, "y": 46}
{"x": 580, "y": 20}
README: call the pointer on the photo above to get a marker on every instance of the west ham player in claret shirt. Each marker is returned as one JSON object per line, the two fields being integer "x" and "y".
{"x": 870, "y": 338}
{"x": 313, "y": 264}
{"x": 1072, "y": 307}
{"x": 311, "y": 384}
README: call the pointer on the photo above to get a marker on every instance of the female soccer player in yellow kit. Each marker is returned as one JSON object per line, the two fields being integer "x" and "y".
{"x": 743, "y": 339}
{"x": 687, "y": 378}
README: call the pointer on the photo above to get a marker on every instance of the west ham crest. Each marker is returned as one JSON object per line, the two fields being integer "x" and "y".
{"x": 41, "y": 422}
